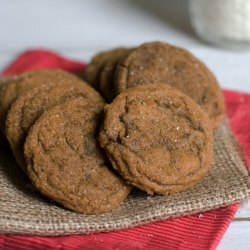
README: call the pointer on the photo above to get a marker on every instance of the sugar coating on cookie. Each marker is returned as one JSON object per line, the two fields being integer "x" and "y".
{"x": 66, "y": 163}
{"x": 31, "y": 104}
{"x": 157, "y": 138}
{"x": 25, "y": 81}
{"x": 161, "y": 62}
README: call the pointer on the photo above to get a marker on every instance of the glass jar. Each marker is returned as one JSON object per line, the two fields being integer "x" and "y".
{"x": 225, "y": 23}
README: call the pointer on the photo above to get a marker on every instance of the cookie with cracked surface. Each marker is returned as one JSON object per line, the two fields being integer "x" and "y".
{"x": 157, "y": 138}
{"x": 25, "y": 81}
{"x": 66, "y": 163}
{"x": 161, "y": 62}
{"x": 31, "y": 104}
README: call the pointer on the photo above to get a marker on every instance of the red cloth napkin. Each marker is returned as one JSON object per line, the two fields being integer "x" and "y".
{"x": 200, "y": 231}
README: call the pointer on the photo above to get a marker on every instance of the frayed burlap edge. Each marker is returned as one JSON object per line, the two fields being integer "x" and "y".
{"x": 24, "y": 211}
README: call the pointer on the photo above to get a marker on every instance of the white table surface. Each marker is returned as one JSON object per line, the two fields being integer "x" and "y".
{"x": 77, "y": 29}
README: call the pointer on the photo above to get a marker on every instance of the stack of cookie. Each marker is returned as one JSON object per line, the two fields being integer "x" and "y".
{"x": 114, "y": 71}
{"x": 51, "y": 119}
{"x": 163, "y": 106}
{"x": 155, "y": 134}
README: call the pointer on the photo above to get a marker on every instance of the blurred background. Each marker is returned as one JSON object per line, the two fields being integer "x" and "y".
{"x": 78, "y": 29}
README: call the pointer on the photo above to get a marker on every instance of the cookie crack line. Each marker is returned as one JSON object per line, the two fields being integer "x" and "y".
{"x": 121, "y": 119}
{"x": 69, "y": 144}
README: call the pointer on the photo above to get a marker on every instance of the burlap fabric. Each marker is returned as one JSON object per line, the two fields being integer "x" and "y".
{"x": 24, "y": 211}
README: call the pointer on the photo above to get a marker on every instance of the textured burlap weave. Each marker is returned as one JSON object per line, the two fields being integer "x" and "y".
{"x": 23, "y": 210}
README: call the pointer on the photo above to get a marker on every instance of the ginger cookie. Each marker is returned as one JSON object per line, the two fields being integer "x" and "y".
{"x": 66, "y": 163}
{"x": 107, "y": 74}
{"x": 92, "y": 72}
{"x": 31, "y": 104}
{"x": 161, "y": 62}
{"x": 25, "y": 81}
{"x": 157, "y": 138}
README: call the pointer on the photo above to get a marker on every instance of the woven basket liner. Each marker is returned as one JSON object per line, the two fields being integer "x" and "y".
{"x": 24, "y": 210}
